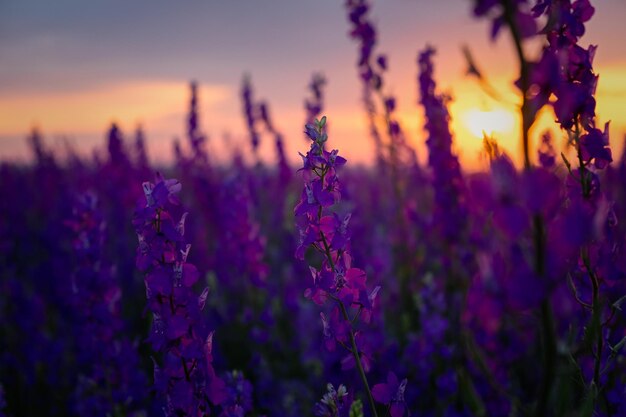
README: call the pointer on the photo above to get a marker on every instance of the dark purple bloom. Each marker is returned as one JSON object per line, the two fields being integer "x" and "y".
{"x": 194, "y": 135}
{"x": 109, "y": 377}
{"x": 448, "y": 183}
{"x": 315, "y": 105}
{"x": 238, "y": 400}
{"x": 497, "y": 11}
{"x": 185, "y": 376}
{"x": 594, "y": 146}
{"x": 250, "y": 110}
{"x": 391, "y": 394}
{"x": 332, "y": 403}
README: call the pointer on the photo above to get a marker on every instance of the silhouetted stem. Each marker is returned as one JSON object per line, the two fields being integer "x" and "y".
{"x": 595, "y": 317}
{"x": 357, "y": 359}
{"x": 527, "y": 119}
{"x": 547, "y": 320}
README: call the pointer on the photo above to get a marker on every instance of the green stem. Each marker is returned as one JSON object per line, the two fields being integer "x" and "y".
{"x": 354, "y": 349}
{"x": 595, "y": 317}
{"x": 547, "y": 323}
{"x": 582, "y": 170}
{"x": 596, "y": 308}
{"x": 357, "y": 358}
{"x": 547, "y": 320}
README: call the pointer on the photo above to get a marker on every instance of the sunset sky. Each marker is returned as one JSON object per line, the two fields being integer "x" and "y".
{"x": 72, "y": 67}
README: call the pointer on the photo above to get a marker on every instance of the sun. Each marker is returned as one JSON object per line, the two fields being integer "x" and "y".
{"x": 479, "y": 122}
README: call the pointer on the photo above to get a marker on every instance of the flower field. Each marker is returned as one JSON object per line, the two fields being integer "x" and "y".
{"x": 402, "y": 288}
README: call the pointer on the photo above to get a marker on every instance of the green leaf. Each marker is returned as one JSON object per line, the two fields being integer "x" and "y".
{"x": 356, "y": 408}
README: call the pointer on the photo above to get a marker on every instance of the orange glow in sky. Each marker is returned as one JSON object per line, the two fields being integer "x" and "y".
{"x": 81, "y": 115}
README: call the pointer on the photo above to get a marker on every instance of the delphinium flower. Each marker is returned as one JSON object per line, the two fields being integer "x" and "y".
{"x": 115, "y": 145}
{"x": 110, "y": 379}
{"x": 507, "y": 13}
{"x": 119, "y": 171}
{"x": 587, "y": 204}
{"x": 372, "y": 68}
{"x": 449, "y": 237}
{"x": 546, "y": 152}
{"x": 335, "y": 280}
{"x": 506, "y": 288}
{"x": 535, "y": 82}
{"x": 450, "y": 255}
{"x": 249, "y": 111}
{"x": 284, "y": 171}
{"x": 43, "y": 157}
{"x": 194, "y": 135}
{"x": 242, "y": 248}
{"x": 391, "y": 393}
{"x": 238, "y": 400}
{"x": 34, "y": 269}
{"x": 277, "y": 182}
{"x": 576, "y": 84}
{"x": 35, "y": 338}
{"x": 184, "y": 374}
{"x": 141, "y": 155}
{"x": 315, "y": 105}
{"x": 201, "y": 177}
{"x": 448, "y": 184}
{"x": 333, "y": 402}
{"x": 396, "y": 160}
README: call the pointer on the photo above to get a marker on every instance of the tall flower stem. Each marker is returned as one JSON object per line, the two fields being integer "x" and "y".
{"x": 547, "y": 320}
{"x": 595, "y": 317}
{"x": 353, "y": 347}
{"x": 357, "y": 359}
{"x": 322, "y": 229}
{"x": 527, "y": 120}
{"x": 596, "y": 307}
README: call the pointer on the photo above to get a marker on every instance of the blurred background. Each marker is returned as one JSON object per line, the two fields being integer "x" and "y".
{"x": 71, "y": 68}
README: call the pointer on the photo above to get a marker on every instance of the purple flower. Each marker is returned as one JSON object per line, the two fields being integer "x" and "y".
{"x": 546, "y": 152}
{"x": 238, "y": 400}
{"x": 194, "y": 135}
{"x": 594, "y": 146}
{"x": 391, "y": 394}
{"x": 497, "y": 11}
{"x": 332, "y": 403}
{"x": 335, "y": 279}
{"x": 109, "y": 377}
{"x": 249, "y": 110}
{"x": 450, "y": 212}
{"x": 315, "y": 104}
{"x": 185, "y": 376}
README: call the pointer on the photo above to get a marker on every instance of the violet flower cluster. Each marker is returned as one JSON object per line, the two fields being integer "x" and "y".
{"x": 196, "y": 138}
{"x": 328, "y": 234}
{"x": 335, "y": 280}
{"x": 184, "y": 373}
{"x": 450, "y": 213}
{"x": 504, "y": 287}
{"x": 110, "y": 381}
{"x": 250, "y": 113}
{"x": 371, "y": 70}
{"x": 315, "y": 104}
